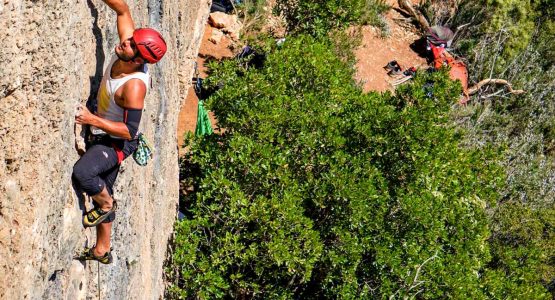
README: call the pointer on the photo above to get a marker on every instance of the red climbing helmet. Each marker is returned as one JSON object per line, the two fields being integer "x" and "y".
{"x": 150, "y": 44}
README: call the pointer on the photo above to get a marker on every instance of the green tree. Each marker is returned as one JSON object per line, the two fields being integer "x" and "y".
{"x": 509, "y": 26}
{"x": 320, "y": 17}
{"x": 317, "y": 190}
{"x": 522, "y": 239}
{"x": 523, "y": 125}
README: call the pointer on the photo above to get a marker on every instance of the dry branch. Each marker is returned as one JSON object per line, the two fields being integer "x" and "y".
{"x": 474, "y": 89}
{"x": 407, "y": 7}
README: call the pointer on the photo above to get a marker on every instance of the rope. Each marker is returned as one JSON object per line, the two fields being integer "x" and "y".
{"x": 98, "y": 263}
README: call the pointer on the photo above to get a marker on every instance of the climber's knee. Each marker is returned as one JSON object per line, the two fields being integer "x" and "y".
{"x": 87, "y": 180}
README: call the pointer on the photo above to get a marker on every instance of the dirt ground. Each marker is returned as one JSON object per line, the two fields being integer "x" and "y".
{"x": 188, "y": 114}
{"x": 374, "y": 53}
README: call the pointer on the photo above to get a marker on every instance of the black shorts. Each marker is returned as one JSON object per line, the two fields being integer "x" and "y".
{"x": 98, "y": 168}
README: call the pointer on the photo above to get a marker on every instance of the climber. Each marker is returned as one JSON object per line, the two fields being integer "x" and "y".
{"x": 114, "y": 126}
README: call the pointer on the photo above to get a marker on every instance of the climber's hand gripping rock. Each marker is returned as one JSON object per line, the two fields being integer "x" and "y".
{"x": 83, "y": 115}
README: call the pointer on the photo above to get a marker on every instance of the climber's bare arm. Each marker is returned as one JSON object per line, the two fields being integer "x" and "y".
{"x": 133, "y": 94}
{"x": 124, "y": 20}
{"x": 84, "y": 116}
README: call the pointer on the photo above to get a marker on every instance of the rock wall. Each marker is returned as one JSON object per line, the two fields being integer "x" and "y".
{"x": 52, "y": 57}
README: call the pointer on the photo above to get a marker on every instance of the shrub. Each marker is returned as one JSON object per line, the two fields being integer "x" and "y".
{"x": 512, "y": 24}
{"x": 317, "y": 190}
{"x": 521, "y": 52}
{"x": 523, "y": 125}
{"x": 319, "y": 17}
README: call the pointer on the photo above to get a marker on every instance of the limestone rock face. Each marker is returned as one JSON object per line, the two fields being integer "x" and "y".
{"x": 52, "y": 57}
{"x": 229, "y": 24}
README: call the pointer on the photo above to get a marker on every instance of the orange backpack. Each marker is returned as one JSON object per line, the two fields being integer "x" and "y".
{"x": 458, "y": 68}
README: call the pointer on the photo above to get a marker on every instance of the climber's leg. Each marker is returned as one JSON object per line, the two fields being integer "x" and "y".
{"x": 96, "y": 172}
{"x": 104, "y": 200}
{"x": 104, "y": 205}
{"x": 98, "y": 164}
{"x": 103, "y": 232}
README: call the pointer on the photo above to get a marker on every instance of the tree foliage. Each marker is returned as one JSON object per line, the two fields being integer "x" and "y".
{"x": 516, "y": 46}
{"x": 319, "y": 17}
{"x": 317, "y": 190}
{"x": 523, "y": 125}
{"x": 515, "y": 24}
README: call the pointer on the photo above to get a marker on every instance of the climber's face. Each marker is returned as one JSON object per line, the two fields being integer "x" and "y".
{"x": 127, "y": 51}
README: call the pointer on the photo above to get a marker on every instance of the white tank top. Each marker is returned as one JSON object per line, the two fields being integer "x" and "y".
{"x": 107, "y": 108}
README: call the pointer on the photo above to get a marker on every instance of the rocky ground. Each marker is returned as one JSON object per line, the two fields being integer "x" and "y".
{"x": 376, "y": 51}
{"x": 209, "y": 49}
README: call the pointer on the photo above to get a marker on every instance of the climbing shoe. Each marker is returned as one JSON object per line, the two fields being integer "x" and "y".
{"x": 88, "y": 254}
{"x": 395, "y": 71}
{"x": 96, "y": 216}
{"x": 392, "y": 65}
{"x": 393, "y": 68}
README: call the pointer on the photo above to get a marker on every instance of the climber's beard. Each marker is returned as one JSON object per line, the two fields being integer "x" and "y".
{"x": 123, "y": 57}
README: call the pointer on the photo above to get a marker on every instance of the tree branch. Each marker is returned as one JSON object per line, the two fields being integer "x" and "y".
{"x": 474, "y": 89}
{"x": 407, "y": 7}
{"x": 414, "y": 281}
